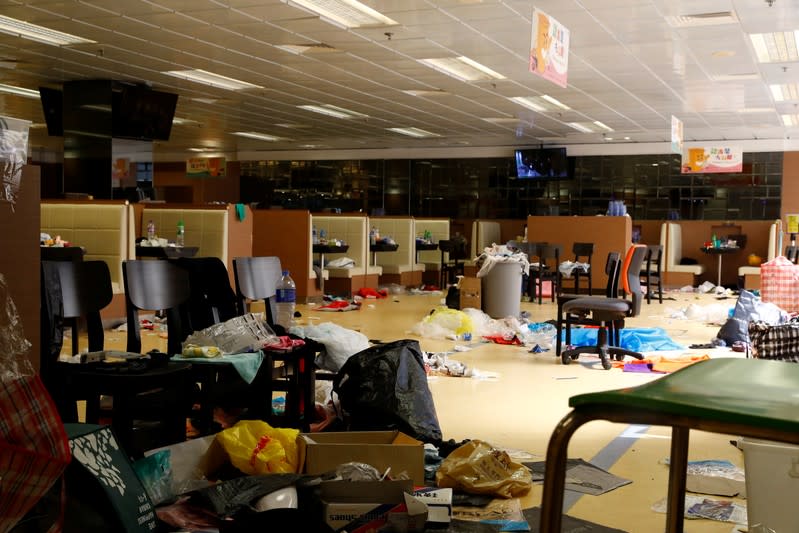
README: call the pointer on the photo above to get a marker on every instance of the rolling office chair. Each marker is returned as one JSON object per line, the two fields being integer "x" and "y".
{"x": 612, "y": 269}
{"x": 609, "y": 313}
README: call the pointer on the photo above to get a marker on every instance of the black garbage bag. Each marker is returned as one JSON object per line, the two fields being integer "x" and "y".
{"x": 385, "y": 387}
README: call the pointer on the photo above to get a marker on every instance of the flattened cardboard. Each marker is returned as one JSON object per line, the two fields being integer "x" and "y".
{"x": 470, "y": 292}
{"x": 323, "y": 452}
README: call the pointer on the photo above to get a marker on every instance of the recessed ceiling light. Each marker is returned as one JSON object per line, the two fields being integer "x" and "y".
{"x": 300, "y": 49}
{"x": 529, "y": 102}
{"x": 584, "y": 127}
{"x": 214, "y": 80}
{"x": 426, "y": 92}
{"x": 786, "y": 91}
{"x": 555, "y": 101}
{"x": 626, "y": 138}
{"x": 19, "y": 91}
{"x": 414, "y": 132}
{"x": 40, "y": 34}
{"x": 258, "y": 136}
{"x": 462, "y": 68}
{"x": 776, "y": 47}
{"x": 343, "y": 13}
{"x": 333, "y": 111}
{"x": 790, "y": 120}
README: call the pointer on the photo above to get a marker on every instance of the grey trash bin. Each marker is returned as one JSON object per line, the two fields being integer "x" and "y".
{"x": 502, "y": 290}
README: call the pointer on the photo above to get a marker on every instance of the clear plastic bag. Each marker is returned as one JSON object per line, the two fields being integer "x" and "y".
{"x": 240, "y": 334}
{"x": 478, "y": 468}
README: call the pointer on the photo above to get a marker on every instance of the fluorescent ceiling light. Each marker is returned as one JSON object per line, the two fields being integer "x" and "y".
{"x": 462, "y": 68}
{"x": 293, "y": 126}
{"x": 258, "y": 136}
{"x": 529, "y": 102}
{"x": 205, "y": 100}
{"x": 502, "y": 120}
{"x": 314, "y": 146}
{"x": 183, "y": 121}
{"x": 426, "y": 92}
{"x": 214, "y": 80}
{"x": 603, "y": 126}
{"x": 39, "y": 33}
{"x": 414, "y": 132}
{"x": 775, "y": 47}
{"x": 344, "y": 13}
{"x": 582, "y": 127}
{"x": 790, "y": 120}
{"x": 555, "y": 101}
{"x": 19, "y": 91}
{"x": 786, "y": 91}
{"x": 196, "y": 149}
{"x": 736, "y": 77}
{"x": 702, "y": 19}
{"x": 303, "y": 48}
{"x": 333, "y": 111}
{"x": 103, "y": 108}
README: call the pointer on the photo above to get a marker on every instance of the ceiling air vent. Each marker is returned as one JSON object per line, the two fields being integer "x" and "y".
{"x": 702, "y": 19}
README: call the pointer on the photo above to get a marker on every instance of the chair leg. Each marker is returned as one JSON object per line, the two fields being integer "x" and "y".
{"x": 660, "y": 289}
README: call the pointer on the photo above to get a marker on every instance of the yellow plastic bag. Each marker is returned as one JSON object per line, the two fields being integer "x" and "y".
{"x": 478, "y": 468}
{"x": 255, "y": 447}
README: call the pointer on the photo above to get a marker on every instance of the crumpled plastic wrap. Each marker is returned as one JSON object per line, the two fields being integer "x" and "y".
{"x": 500, "y": 253}
{"x": 443, "y": 323}
{"x": 239, "y": 334}
{"x": 478, "y": 468}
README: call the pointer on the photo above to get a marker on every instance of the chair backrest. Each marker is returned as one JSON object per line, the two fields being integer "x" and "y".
{"x": 456, "y": 248}
{"x": 156, "y": 285}
{"x": 212, "y": 300}
{"x": 654, "y": 257}
{"x": 583, "y": 250}
{"x": 631, "y": 275}
{"x": 85, "y": 289}
{"x": 257, "y": 279}
{"x": 612, "y": 269}
{"x": 549, "y": 255}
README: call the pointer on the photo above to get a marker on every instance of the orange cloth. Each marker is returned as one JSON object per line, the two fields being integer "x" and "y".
{"x": 662, "y": 363}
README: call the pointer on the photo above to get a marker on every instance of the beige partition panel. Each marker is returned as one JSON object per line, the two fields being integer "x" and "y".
{"x": 439, "y": 228}
{"x": 609, "y": 234}
{"x": 206, "y": 227}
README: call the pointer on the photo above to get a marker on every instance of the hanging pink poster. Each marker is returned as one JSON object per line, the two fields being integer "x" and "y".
{"x": 549, "y": 49}
{"x": 712, "y": 160}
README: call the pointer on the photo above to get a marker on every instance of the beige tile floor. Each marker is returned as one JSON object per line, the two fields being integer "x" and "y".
{"x": 519, "y": 407}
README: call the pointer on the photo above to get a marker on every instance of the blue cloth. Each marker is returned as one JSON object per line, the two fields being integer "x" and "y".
{"x": 246, "y": 364}
{"x": 635, "y": 339}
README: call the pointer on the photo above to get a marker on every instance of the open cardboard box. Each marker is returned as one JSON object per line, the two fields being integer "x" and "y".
{"x": 357, "y": 506}
{"x": 323, "y": 452}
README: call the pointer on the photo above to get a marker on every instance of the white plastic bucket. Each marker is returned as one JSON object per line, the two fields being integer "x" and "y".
{"x": 772, "y": 484}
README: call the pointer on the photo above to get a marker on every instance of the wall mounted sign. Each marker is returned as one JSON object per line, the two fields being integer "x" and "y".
{"x": 712, "y": 159}
{"x": 205, "y": 167}
{"x": 549, "y": 49}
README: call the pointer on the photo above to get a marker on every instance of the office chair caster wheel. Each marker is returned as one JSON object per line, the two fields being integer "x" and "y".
{"x": 606, "y": 364}
{"x": 619, "y": 357}
{"x": 565, "y": 358}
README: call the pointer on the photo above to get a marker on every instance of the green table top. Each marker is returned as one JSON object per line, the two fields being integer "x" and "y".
{"x": 754, "y": 392}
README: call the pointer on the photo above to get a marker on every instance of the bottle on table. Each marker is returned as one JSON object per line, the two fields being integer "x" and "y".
{"x": 150, "y": 230}
{"x": 286, "y": 300}
{"x": 180, "y": 236}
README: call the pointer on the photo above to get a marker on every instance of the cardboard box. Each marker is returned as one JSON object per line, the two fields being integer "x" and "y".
{"x": 470, "y": 292}
{"x": 323, "y": 452}
{"x": 357, "y": 506}
{"x": 439, "y": 504}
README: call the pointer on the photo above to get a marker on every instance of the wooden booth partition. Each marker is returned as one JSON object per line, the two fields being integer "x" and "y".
{"x": 287, "y": 235}
{"x": 609, "y": 234}
{"x": 19, "y": 266}
{"x": 696, "y": 232}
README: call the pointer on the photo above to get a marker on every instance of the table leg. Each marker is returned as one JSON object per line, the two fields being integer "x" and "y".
{"x": 719, "y": 274}
{"x": 322, "y": 273}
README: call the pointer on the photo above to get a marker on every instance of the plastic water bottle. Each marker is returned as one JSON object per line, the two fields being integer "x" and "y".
{"x": 180, "y": 236}
{"x": 286, "y": 300}
{"x": 150, "y": 230}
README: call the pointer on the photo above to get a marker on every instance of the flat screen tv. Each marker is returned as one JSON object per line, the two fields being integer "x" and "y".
{"x": 143, "y": 114}
{"x": 542, "y": 163}
{"x": 53, "y": 109}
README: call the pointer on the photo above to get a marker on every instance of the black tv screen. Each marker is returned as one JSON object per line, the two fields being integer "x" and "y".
{"x": 143, "y": 114}
{"x": 53, "y": 109}
{"x": 542, "y": 163}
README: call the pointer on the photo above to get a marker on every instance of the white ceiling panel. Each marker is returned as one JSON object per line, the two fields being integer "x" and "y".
{"x": 628, "y": 67}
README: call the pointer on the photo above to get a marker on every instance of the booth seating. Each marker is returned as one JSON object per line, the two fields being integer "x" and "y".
{"x": 751, "y": 274}
{"x": 205, "y": 228}
{"x": 675, "y": 273}
{"x": 398, "y": 266}
{"x": 103, "y": 229}
{"x": 353, "y": 229}
{"x": 484, "y": 234}
{"x": 430, "y": 260}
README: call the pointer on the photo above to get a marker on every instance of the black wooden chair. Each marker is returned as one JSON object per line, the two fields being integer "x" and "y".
{"x": 256, "y": 279}
{"x": 211, "y": 299}
{"x": 81, "y": 290}
{"x": 651, "y": 277}
{"x": 452, "y": 266}
{"x": 156, "y": 286}
{"x": 583, "y": 252}
{"x": 546, "y": 270}
{"x": 609, "y": 313}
